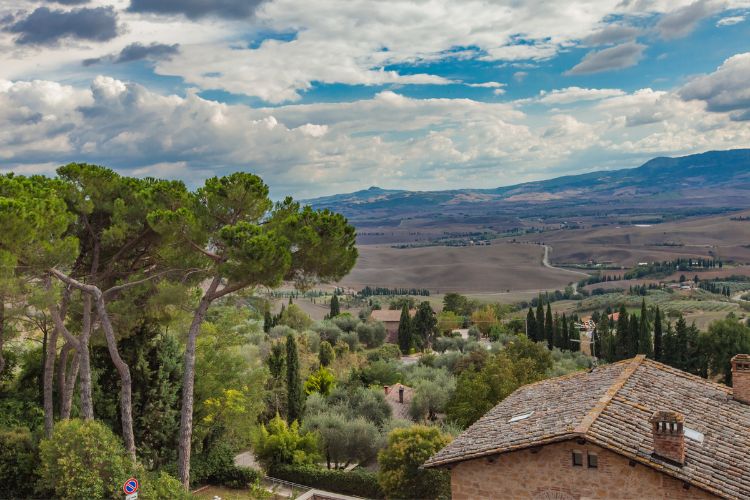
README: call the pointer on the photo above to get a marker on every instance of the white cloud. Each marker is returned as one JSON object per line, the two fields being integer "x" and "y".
{"x": 489, "y": 85}
{"x": 321, "y": 148}
{"x": 575, "y": 94}
{"x": 730, "y": 21}
{"x": 724, "y": 90}
{"x": 682, "y": 21}
{"x": 618, "y": 57}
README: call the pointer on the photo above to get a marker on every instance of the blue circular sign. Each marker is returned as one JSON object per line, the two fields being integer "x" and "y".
{"x": 130, "y": 486}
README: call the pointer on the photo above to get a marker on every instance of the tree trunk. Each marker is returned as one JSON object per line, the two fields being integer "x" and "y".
{"x": 67, "y": 379}
{"x": 126, "y": 404}
{"x": 49, "y": 373}
{"x": 188, "y": 380}
{"x": 84, "y": 360}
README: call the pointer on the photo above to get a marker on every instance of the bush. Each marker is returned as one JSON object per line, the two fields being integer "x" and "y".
{"x": 371, "y": 334}
{"x": 346, "y": 322}
{"x": 162, "y": 486}
{"x": 358, "y": 482}
{"x": 384, "y": 352}
{"x": 84, "y": 459}
{"x": 278, "y": 443}
{"x": 19, "y": 462}
{"x": 216, "y": 466}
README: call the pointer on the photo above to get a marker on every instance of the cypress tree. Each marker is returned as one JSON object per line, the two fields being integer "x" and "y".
{"x": 549, "y": 327}
{"x": 595, "y": 343}
{"x": 540, "y": 333}
{"x": 335, "y": 310}
{"x": 404, "y": 331}
{"x": 621, "y": 340}
{"x": 633, "y": 329}
{"x": 564, "y": 333}
{"x": 267, "y": 321}
{"x": 573, "y": 334}
{"x": 681, "y": 349}
{"x": 531, "y": 325}
{"x": 657, "y": 335}
{"x": 644, "y": 333}
{"x": 295, "y": 395}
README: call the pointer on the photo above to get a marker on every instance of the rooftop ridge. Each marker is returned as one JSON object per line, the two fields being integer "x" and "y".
{"x": 593, "y": 414}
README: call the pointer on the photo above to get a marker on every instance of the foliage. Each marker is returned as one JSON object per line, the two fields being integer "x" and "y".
{"x": 335, "y": 309}
{"x": 346, "y": 322}
{"x": 326, "y": 354}
{"x": 84, "y": 459}
{"x": 344, "y": 439}
{"x": 401, "y": 475}
{"x": 294, "y": 317}
{"x": 295, "y": 395}
{"x": 431, "y": 394}
{"x": 279, "y": 443}
{"x": 447, "y": 321}
{"x": 424, "y": 325}
{"x": 358, "y": 482}
{"x": 379, "y": 373}
{"x": 484, "y": 319}
{"x": 19, "y": 463}
{"x": 162, "y": 486}
{"x": 320, "y": 381}
{"x": 216, "y": 466}
{"x": 361, "y": 402}
{"x": 724, "y": 339}
{"x": 384, "y": 352}
{"x": 405, "y": 331}
{"x": 372, "y": 333}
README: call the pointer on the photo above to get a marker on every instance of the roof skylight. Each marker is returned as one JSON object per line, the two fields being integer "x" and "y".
{"x": 520, "y": 417}
{"x": 693, "y": 434}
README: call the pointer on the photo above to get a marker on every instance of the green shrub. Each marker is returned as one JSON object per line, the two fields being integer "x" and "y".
{"x": 216, "y": 466}
{"x": 84, "y": 459}
{"x": 162, "y": 486}
{"x": 358, "y": 482}
{"x": 19, "y": 463}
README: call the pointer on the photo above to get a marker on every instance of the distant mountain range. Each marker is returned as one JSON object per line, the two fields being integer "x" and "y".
{"x": 710, "y": 182}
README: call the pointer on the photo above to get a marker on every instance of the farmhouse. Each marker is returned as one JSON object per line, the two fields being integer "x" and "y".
{"x": 390, "y": 319}
{"x": 632, "y": 429}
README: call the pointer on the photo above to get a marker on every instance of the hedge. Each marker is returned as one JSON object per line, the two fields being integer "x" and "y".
{"x": 357, "y": 482}
{"x": 217, "y": 468}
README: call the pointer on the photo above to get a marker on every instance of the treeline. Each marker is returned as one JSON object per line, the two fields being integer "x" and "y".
{"x": 556, "y": 330}
{"x": 668, "y": 267}
{"x": 714, "y": 287}
{"x": 677, "y": 344}
{"x": 598, "y": 278}
{"x": 370, "y": 291}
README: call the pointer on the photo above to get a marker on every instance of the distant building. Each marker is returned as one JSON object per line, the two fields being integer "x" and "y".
{"x": 632, "y": 429}
{"x": 390, "y": 319}
{"x": 399, "y": 398}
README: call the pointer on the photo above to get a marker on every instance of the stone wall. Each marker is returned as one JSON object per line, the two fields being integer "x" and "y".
{"x": 549, "y": 474}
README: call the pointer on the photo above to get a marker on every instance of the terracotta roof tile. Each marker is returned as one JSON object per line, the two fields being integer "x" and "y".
{"x": 611, "y": 406}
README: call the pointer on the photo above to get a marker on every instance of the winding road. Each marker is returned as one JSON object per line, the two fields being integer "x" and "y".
{"x": 545, "y": 262}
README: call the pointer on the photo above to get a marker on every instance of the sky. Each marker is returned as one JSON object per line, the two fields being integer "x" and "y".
{"x": 329, "y": 96}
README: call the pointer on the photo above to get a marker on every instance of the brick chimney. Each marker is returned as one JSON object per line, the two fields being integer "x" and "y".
{"x": 669, "y": 435}
{"x": 400, "y": 393}
{"x": 741, "y": 377}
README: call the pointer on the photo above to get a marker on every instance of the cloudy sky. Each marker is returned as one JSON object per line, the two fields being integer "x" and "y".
{"x": 327, "y": 96}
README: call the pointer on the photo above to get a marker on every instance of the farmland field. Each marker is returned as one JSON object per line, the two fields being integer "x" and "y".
{"x": 500, "y": 267}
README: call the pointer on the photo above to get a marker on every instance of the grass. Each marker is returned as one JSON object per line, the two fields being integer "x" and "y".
{"x": 696, "y": 301}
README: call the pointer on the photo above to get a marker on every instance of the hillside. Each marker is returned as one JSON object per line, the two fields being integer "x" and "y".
{"x": 662, "y": 188}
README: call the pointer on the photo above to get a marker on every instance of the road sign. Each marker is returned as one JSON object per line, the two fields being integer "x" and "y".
{"x": 132, "y": 496}
{"x": 131, "y": 486}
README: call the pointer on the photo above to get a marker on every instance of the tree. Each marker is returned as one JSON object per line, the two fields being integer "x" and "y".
{"x": 424, "y": 324}
{"x": 232, "y": 232}
{"x": 294, "y": 317}
{"x": 431, "y": 396}
{"x": 344, "y": 439}
{"x": 335, "y": 310}
{"x": 321, "y": 381}
{"x": 83, "y": 459}
{"x": 405, "y": 331}
{"x": 657, "y": 335}
{"x": 484, "y": 319}
{"x": 456, "y": 303}
{"x": 447, "y": 321}
{"x": 531, "y": 329}
{"x": 721, "y": 342}
{"x": 279, "y": 443}
{"x": 622, "y": 335}
{"x": 633, "y": 334}
{"x": 372, "y": 333}
{"x": 401, "y": 474}
{"x": 326, "y": 355}
{"x": 549, "y": 327}
{"x": 644, "y": 333}
{"x": 295, "y": 395}
{"x": 540, "y": 332}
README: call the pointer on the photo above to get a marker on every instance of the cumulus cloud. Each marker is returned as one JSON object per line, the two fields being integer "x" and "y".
{"x": 489, "y": 85}
{"x": 314, "y": 149}
{"x": 682, "y": 22}
{"x": 69, "y": 2}
{"x": 137, "y": 51}
{"x": 45, "y": 26}
{"x": 194, "y": 9}
{"x": 724, "y": 90}
{"x": 575, "y": 94}
{"x": 617, "y": 57}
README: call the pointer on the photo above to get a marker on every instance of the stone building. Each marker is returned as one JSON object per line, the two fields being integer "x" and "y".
{"x": 391, "y": 319}
{"x": 633, "y": 429}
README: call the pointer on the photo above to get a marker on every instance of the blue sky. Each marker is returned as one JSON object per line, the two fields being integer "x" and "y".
{"x": 337, "y": 95}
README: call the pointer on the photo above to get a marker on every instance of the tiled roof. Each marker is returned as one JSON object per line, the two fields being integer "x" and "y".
{"x": 388, "y": 315}
{"x": 611, "y": 406}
